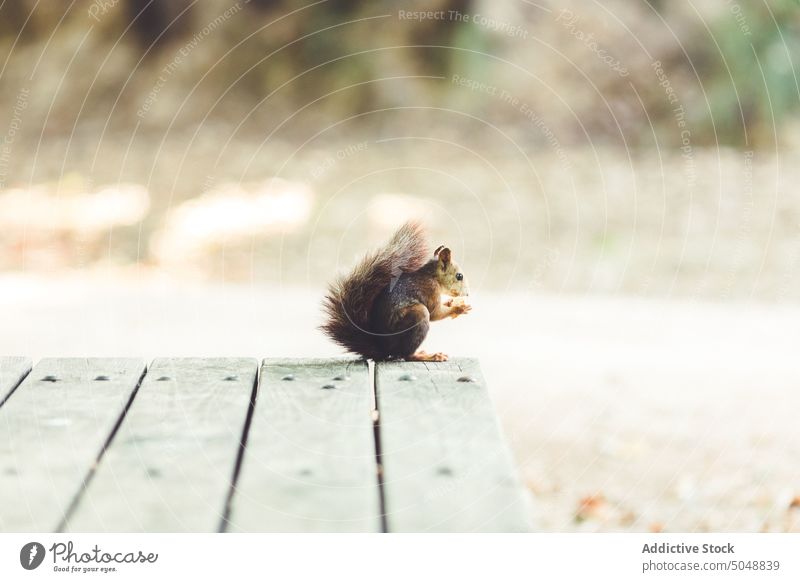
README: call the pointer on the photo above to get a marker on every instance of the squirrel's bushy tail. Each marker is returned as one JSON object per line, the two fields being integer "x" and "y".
{"x": 350, "y": 298}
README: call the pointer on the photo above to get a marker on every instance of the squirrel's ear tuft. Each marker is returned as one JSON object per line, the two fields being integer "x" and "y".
{"x": 437, "y": 251}
{"x": 444, "y": 256}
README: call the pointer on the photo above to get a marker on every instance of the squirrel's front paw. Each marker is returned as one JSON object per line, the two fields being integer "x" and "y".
{"x": 461, "y": 309}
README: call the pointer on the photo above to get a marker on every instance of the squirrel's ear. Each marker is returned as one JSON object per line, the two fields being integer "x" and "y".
{"x": 437, "y": 251}
{"x": 444, "y": 256}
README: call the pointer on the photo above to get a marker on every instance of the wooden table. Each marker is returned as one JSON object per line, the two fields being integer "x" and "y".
{"x": 190, "y": 445}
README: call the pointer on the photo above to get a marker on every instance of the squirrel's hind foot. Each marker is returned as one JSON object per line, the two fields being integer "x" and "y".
{"x": 426, "y": 357}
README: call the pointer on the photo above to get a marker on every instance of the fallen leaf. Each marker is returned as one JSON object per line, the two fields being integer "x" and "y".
{"x": 592, "y": 507}
{"x": 628, "y": 518}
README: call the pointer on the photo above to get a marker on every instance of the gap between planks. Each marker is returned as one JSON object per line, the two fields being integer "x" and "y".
{"x": 173, "y": 463}
{"x": 309, "y": 462}
{"x": 225, "y": 521}
{"x": 93, "y": 469}
{"x": 376, "y": 440}
{"x": 57, "y": 425}
{"x": 13, "y": 372}
{"x": 447, "y": 466}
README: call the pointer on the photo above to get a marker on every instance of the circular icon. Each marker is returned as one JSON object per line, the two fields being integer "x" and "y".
{"x": 31, "y": 555}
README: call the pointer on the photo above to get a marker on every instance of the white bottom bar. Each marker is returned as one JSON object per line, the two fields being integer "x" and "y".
{"x": 376, "y": 557}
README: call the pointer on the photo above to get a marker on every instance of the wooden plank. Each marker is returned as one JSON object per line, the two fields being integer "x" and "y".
{"x": 171, "y": 465}
{"x": 309, "y": 464}
{"x": 52, "y": 431}
{"x": 446, "y": 466}
{"x": 12, "y": 372}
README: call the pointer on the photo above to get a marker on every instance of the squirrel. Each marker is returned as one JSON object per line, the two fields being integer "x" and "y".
{"x": 383, "y": 308}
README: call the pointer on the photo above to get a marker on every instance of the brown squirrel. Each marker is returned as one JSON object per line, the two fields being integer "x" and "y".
{"x": 384, "y": 307}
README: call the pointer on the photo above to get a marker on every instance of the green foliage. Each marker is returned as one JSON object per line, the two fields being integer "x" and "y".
{"x": 752, "y": 76}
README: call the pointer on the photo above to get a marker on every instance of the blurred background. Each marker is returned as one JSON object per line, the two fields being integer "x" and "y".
{"x": 618, "y": 179}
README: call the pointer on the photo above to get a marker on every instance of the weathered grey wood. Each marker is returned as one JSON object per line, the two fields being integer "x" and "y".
{"x": 12, "y": 371}
{"x": 171, "y": 464}
{"x": 446, "y": 466}
{"x": 52, "y": 431}
{"x": 309, "y": 463}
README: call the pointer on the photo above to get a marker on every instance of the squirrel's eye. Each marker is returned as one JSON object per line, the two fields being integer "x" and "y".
{"x": 459, "y": 276}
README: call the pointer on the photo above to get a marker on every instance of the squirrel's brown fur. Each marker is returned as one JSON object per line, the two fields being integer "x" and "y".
{"x": 383, "y": 307}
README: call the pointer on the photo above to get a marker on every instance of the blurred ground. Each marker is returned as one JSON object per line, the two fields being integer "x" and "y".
{"x": 628, "y": 415}
{"x": 726, "y": 227}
